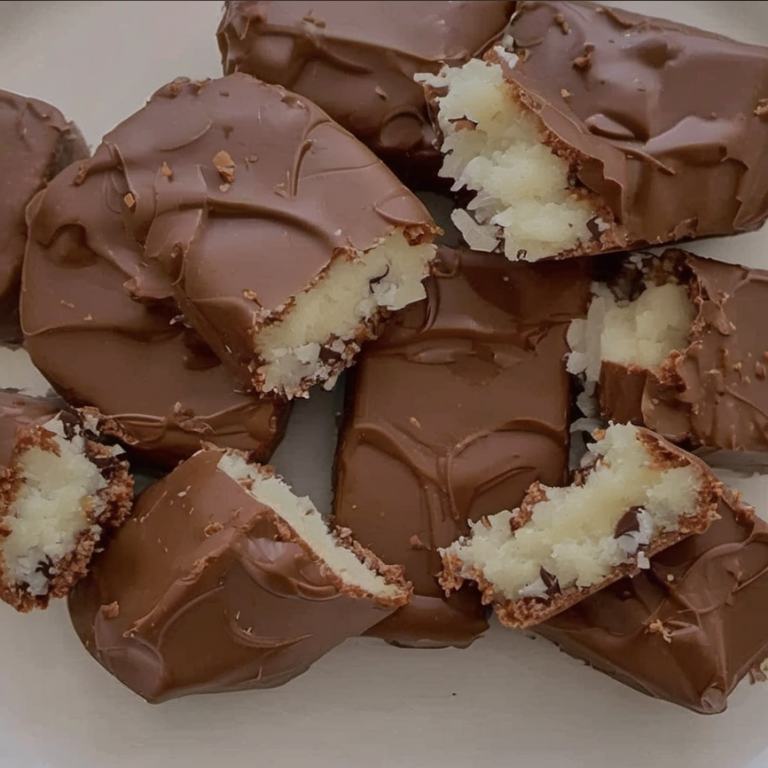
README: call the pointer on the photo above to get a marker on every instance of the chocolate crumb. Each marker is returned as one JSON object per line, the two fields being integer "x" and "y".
{"x": 416, "y": 543}
{"x": 761, "y": 110}
{"x": 130, "y": 201}
{"x": 68, "y": 304}
{"x": 550, "y": 582}
{"x": 380, "y": 92}
{"x": 628, "y": 522}
{"x": 565, "y": 93}
{"x": 110, "y": 611}
{"x": 415, "y": 422}
{"x": 212, "y": 528}
{"x": 225, "y": 165}
{"x": 82, "y": 172}
{"x": 657, "y": 627}
{"x": 166, "y": 171}
{"x": 562, "y": 23}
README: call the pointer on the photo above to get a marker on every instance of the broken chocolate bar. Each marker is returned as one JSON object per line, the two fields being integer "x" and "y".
{"x": 60, "y": 490}
{"x": 36, "y": 142}
{"x": 357, "y": 61}
{"x": 285, "y": 239}
{"x": 453, "y": 413}
{"x": 688, "y": 628}
{"x": 157, "y": 385}
{"x": 223, "y": 580}
{"x": 676, "y": 344}
{"x": 639, "y": 495}
{"x": 584, "y": 134}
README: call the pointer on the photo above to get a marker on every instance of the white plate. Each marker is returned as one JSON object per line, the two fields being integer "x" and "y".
{"x": 507, "y": 701}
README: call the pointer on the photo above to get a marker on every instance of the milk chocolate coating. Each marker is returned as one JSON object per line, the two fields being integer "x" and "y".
{"x": 671, "y": 159}
{"x": 240, "y": 242}
{"x": 689, "y": 628}
{"x": 713, "y": 393}
{"x": 357, "y": 61}
{"x": 455, "y": 411}
{"x": 18, "y": 410}
{"x": 36, "y": 142}
{"x": 137, "y": 362}
{"x": 202, "y": 590}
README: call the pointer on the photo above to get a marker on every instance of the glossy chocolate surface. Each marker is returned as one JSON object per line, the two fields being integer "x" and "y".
{"x": 713, "y": 393}
{"x": 136, "y": 361}
{"x": 203, "y": 590}
{"x": 36, "y": 142}
{"x": 244, "y": 194}
{"x": 357, "y": 61}
{"x": 689, "y": 628}
{"x": 671, "y": 161}
{"x": 455, "y": 411}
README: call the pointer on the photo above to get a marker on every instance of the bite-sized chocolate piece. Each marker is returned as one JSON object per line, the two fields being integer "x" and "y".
{"x": 688, "y": 628}
{"x": 223, "y": 580}
{"x": 637, "y": 495}
{"x": 357, "y": 61}
{"x": 160, "y": 388}
{"x": 678, "y": 344}
{"x": 455, "y": 411}
{"x": 589, "y": 137}
{"x": 59, "y": 491}
{"x": 286, "y": 240}
{"x": 36, "y": 142}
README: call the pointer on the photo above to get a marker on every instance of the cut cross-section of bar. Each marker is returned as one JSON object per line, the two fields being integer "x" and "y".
{"x": 234, "y": 582}
{"x": 59, "y": 492}
{"x": 639, "y": 495}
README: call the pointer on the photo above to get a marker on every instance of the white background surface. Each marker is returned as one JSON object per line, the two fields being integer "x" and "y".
{"x": 507, "y": 701}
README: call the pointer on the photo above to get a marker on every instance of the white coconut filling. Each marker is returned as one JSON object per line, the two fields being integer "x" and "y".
{"x": 571, "y": 534}
{"x": 50, "y": 509}
{"x": 388, "y": 276}
{"x": 493, "y": 146}
{"x": 641, "y": 332}
{"x": 302, "y": 516}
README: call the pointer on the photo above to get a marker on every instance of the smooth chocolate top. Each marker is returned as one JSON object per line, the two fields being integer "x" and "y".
{"x": 18, "y": 410}
{"x": 357, "y": 62}
{"x": 691, "y": 626}
{"x": 135, "y": 361}
{"x": 204, "y": 590}
{"x": 455, "y": 411}
{"x": 671, "y": 122}
{"x": 244, "y": 193}
{"x": 36, "y": 142}
{"x": 713, "y": 393}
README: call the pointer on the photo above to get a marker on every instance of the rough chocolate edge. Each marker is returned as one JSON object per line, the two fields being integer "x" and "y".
{"x": 392, "y": 574}
{"x": 529, "y": 611}
{"x": 370, "y": 328}
{"x": 117, "y": 496}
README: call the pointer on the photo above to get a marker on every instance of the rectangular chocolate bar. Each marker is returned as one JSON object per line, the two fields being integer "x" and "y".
{"x": 454, "y": 412}
{"x": 690, "y": 627}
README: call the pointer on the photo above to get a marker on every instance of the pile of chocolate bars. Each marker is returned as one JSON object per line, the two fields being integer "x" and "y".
{"x": 242, "y": 241}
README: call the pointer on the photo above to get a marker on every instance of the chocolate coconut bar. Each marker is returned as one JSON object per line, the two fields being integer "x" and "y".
{"x": 356, "y": 61}
{"x": 223, "y": 580}
{"x": 36, "y": 142}
{"x": 678, "y": 344}
{"x": 452, "y": 414}
{"x": 583, "y": 133}
{"x": 285, "y": 239}
{"x": 153, "y": 382}
{"x": 60, "y": 491}
{"x": 639, "y": 495}
{"x": 688, "y": 628}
